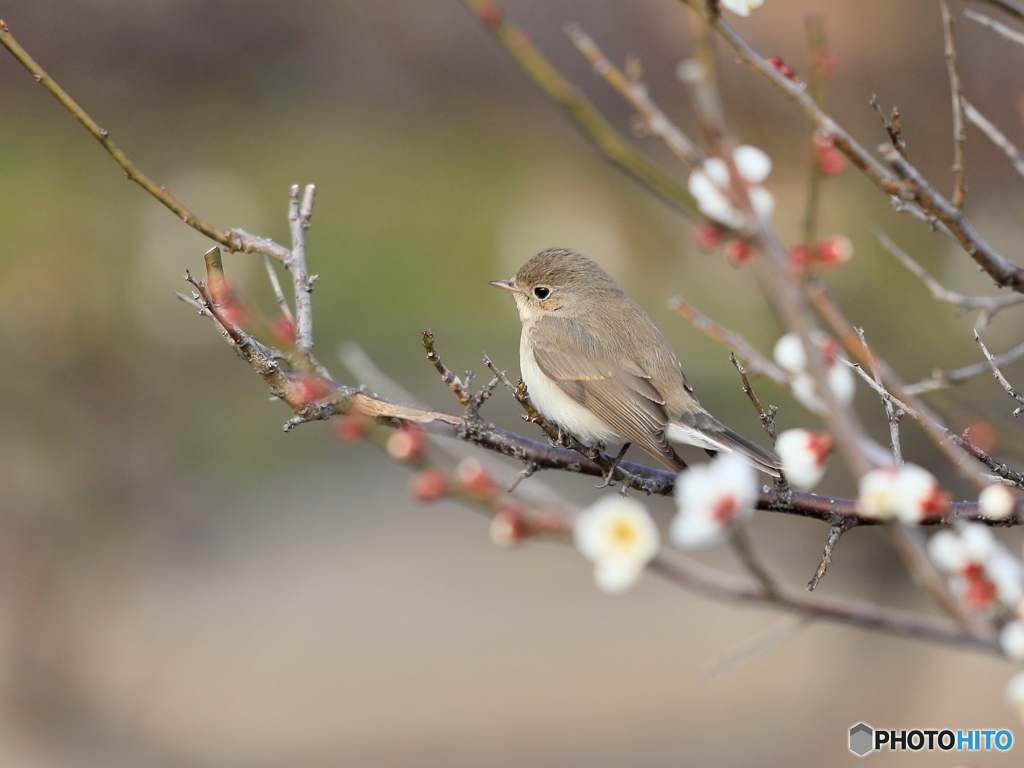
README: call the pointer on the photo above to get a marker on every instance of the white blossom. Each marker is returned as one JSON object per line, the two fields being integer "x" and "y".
{"x": 710, "y": 184}
{"x": 1014, "y": 693}
{"x": 917, "y": 495}
{"x": 741, "y": 7}
{"x": 709, "y": 498}
{"x": 804, "y": 456}
{"x": 1011, "y": 639}
{"x": 619, "y": 537}
{"x": 876, "y": 494}
{"x": 789, "y": 353}
{"x": 948, "y": 552}
{"x": 997, "y": 502}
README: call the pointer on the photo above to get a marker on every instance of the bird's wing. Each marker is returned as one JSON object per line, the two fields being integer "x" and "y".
{"x": 619, "y": 392}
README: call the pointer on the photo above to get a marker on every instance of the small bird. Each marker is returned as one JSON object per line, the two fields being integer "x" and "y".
{"x": 596, "y": 365}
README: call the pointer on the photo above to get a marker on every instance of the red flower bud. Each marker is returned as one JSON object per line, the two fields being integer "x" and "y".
{"x": 351, "y": 427}
{"x": 782, "y": 67}
{"x": 282, "y": 329}
{"x": 831, "y": 162}
{"x": 405, "y": 443}
{"x": 738, "y": 251}
{"x": 428, "y": 485}
{"x": 707, "y": 235}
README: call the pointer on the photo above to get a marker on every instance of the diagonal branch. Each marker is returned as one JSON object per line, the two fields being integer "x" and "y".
{"x": 959, "y": 133}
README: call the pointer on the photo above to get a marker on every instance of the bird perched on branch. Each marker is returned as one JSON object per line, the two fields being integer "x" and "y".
{"x": 596, "y": 365}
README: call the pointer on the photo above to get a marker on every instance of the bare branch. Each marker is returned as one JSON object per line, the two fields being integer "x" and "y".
{"x": 998, "y": 374}
{"x": 834, "y": 534}
{"x": 299, "y": 213}
{"x": 636, "y": 93}
{"x": 941, "y": 379}
{"x": 995, "y": 136}
{"x": 998, "y": 27}
{"x": 989, "y": 305}
{"x": 959, "y": 132}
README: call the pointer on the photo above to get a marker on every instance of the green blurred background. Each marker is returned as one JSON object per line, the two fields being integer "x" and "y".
{"x": 183, "y": 584}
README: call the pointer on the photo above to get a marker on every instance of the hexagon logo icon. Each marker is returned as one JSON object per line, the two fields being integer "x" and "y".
{"x": 861, "y": 739}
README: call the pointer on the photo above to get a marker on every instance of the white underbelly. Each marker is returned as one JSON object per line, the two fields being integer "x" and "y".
{"x": 558, "y": 407}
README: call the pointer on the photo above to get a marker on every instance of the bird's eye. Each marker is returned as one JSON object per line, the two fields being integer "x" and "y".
{"x": 541, "y": 292}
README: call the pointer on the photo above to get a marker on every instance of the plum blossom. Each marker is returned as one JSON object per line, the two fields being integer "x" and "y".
{"x": 1015, "y": 693}
{"x": 710, "y": 497}
{"x": 1011, "y": 638}
{"x": 710, "y": 185}
{"x": 997, "y": 502}
{"x": 619, "y": 537}
{"x": 741, "y": 7}
{"x": 804, "y": 455}
{"x": 910, "y": 493}
{"x": 981, "y": 570}
{"x": 790, "y": 355}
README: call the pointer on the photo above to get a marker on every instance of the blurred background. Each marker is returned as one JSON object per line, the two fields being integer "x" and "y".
{"x": 183, "y": 584}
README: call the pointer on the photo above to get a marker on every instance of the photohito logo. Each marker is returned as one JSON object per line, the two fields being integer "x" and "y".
{"x": 864, "y": 740}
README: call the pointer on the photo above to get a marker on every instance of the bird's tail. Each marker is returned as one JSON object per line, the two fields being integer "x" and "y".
{"x": 704, "y": 431}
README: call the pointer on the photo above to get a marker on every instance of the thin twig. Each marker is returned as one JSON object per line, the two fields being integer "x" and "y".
{"x": 894, "y": 414}
{"x": 959, "y": 132}
{"x": 903, "y": 181}
{"x": 754, "y": 360}
{"x": 892, "y": 125}
{"x": 767, "y": 418}
{"x": 636, "y": 93}
{"x": 933, "y": 425}
{"x": 712, "y": 583}
{"x": 989, "y": 305}
{"x": 299, "y": 213}
{"x": 610, "y": 142}
{"x": 817, "y": 50}
{"x": 454, "y": 382}
{"x": 753, "y": 646}
{"x": 834, "y": 534}
{"x": 1012, "y": 7}
{"x": 996, "y": 136}
{"x": 744, "y": 549}
{"x": 275, "y": 284}
{"x": 998, "y": 374}
{"x": 998, "y": 27}
{"x": 941, "y": 379}
{"x": 131, "y": 171}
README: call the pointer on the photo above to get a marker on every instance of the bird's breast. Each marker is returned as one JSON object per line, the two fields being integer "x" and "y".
{"x": 555, "y": 405}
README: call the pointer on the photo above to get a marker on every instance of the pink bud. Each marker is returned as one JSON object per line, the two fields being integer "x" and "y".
{"x": 474, "y": 478}
{"x": 405, "y": 443}
{"x": 282, "y": 329}
{"x": 835, "y": 251}
{"x": 507, "y": 526}
{"x": 306, "y": 388}
{"x": 738, "y": 251}
{"x": 707, "y": 235}
{"x": 782, "y": 67}
{"x": 351, "y": 427}
{"x": 831, "y": 162}
{"x": 428, "y": 485}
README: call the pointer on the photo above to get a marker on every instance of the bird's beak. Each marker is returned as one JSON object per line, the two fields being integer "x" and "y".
{"x": 507, "y": 285}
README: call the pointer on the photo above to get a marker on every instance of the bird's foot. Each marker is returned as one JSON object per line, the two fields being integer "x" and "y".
{"x": 609, "y": 475}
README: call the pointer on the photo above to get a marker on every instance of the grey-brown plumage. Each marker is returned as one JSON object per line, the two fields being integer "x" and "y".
{"x": 596, "y": 364}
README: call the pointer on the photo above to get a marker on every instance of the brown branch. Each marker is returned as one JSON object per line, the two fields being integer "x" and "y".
{"x": 712, "y": 583}
{"x": 834, "y": 534}
{"x": 228, "y": 239}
